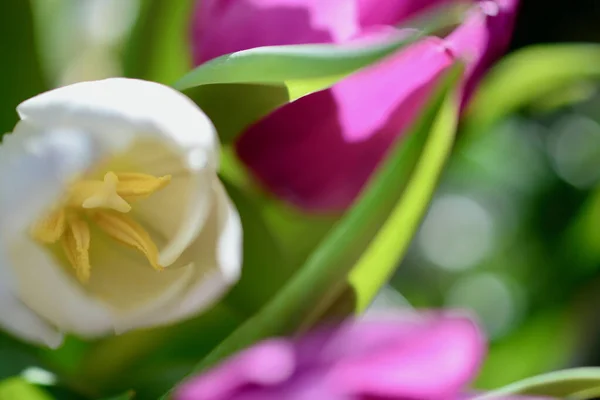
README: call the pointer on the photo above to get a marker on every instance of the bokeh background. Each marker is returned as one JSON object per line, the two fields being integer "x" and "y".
{"x": 514, "y": 230}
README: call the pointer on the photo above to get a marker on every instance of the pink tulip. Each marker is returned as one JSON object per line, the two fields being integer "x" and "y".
{"x": 432, "y": 356}
{"x": 319, "y": 150}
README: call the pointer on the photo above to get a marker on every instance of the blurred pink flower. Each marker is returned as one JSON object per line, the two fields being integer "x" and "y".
{"x": 319, "y": 150}
{"x": 429, "y": 356}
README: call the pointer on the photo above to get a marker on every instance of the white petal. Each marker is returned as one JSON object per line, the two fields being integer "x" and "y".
{"x": 215, "y": 255}
{"x": 17, "y": 318}
{"x": 35, "y": 169}
{"x": 229, "y": 255}
{"x": 123, "y": 279}
{"x": 120, "y": 107}
{"x": 177, "y": 212}
{"x": 48, "y": 290}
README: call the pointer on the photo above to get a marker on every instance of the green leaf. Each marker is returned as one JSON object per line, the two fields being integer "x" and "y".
{"x": 528, "y": 75}
{"x": 316, "y": 285}
{"x": 394, "y": 233}
{"x": 575, "y": 384}
{"x": 17, "y": 388}
{"x": 16, "y": 356}
{"x": 526, "y": 349}
{"x": 379, "y": 261}
{"x": 293, "y": 64}
{"x": 112, "y": 363}
{"x": 20, "y": 73}
{"x": 247, "y": 85}
{"x": 311, "y": 67}
{"x": 265, "y": 269}
{"x": 239, "y": 89}
{"x": 251, "y": 102}
{"x": 125, "y": 396}
{"x": 158, "y": 48}
{"x": 297, "y": 232}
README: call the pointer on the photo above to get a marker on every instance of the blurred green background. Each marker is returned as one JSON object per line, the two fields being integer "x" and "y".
{"x": 513, "y": 232}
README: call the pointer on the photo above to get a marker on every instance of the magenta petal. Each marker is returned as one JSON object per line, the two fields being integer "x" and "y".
{"x": 319, "y": 151}
{"x": 483, "y": 37}
{"x": 392, "y": 12}
{"x": 435, "y": 362}
{"x": 225, "y": 26}
{"x": 425, "y": 356}
{"x": 268, "y": 363}
{"x": 357, "y": 339}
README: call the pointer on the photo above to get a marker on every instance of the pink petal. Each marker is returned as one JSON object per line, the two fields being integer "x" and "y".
{"x": 354, "y": 339}
{"x": 392, "y": 12}
{"x": 436, "y": 361}
{"x": 319, "y": 151}
{"x": 483, "y": 37}
{"x": 268, "y": 363}
{"x": 225, "y": 26}
{"x": 427, "y": 355}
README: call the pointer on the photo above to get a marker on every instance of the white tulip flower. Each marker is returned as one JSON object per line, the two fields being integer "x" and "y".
{"x": 112, "y": 216}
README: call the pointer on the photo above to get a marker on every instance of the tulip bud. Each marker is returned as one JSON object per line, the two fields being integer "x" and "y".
{"x": 319, "y": 151}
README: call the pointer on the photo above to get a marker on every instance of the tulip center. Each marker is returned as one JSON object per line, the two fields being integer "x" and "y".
{"x": 105, "y": 203}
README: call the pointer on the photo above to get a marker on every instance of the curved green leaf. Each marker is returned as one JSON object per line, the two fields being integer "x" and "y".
{"x": 380, "y": 260}
{"x": 575, "y": 384}
{"x": 282, "y": 64}
{"x": 258, "y": 81}
{"x": 382, "y": 256}
{"x": 238, "y": 89}
{"x": 265, "y": 269}
{"x": 317, "y": 284}
{"x": 315, "y": 66}
{"x": 526, "y": 76}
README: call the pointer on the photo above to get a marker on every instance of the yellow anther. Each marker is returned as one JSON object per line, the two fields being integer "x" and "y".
{"x": 134, "y": 186}
{"x": 76, "y": 244}
{"x": 51, "y": 228}
{"x": 125, "y": 230}
{"x": 104, "y": 194}
{"x": 106, "y": 201}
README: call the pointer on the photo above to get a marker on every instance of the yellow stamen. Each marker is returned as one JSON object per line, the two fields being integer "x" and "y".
{"x": 135, "y": 186}
{"x": 105, "y": 202}
{"x": 51, "y": 228}
{"x": 76, "y": 244}
{"x": 125, "y": 230}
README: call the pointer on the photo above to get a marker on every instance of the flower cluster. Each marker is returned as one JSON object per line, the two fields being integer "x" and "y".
{"x": 115, "y": 217}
